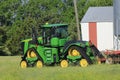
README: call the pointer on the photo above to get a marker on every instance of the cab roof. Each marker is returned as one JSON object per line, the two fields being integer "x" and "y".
{"x": 53, "y": 25}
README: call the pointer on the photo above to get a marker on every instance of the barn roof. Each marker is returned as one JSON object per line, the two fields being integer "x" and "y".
{"x": 98, "y": 14}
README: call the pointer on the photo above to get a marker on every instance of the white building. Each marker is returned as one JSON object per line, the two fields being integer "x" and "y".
{"x": 97, "y": 27}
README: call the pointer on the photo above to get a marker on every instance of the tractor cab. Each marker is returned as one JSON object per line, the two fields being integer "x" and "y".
{"x": 53, "y": 47}
{"x": 54, "y": 34}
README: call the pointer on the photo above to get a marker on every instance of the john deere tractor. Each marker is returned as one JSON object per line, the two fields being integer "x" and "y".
{"x": 55, "y": 47}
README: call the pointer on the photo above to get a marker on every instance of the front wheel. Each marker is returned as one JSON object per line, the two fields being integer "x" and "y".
{"x": 64, "y": 63}
{"x": 23, "y": 64}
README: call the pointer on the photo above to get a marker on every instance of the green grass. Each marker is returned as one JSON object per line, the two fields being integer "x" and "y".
{"x": 10, "y": 70}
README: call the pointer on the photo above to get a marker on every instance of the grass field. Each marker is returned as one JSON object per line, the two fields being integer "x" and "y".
{"x": 10, "y": 70}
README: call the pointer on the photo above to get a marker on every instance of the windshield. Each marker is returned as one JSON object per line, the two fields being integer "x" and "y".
{"x": 60, "y": 32}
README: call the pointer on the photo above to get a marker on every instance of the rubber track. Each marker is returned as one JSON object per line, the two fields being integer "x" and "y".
{"x": 84, "y": 55}
{"x": 96, "y": 51}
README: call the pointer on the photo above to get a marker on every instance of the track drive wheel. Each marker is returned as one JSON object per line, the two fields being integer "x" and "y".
{"x": 73, "y": 51}
{"x": 39, "y": 64}
{"x": 64, "y": 63}
{"x": 23, "y": 64}
{"x": 31, "y": 53}
{"x": 83, "y": 63}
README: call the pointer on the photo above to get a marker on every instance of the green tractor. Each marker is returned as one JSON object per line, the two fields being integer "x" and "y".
{"x": 54, "y": 47}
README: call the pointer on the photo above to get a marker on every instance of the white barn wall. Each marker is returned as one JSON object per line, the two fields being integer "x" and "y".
{"x": 105, "y": 35}
{"x": 103, "y": 19}
{"x": 85, "y": 31}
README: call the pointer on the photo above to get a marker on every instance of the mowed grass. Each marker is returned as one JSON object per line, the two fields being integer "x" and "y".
{"x": 10, "y": 70}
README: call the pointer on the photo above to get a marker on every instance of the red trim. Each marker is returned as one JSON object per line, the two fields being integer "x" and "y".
{"x": 108, "y": 52}
{"x": 93, "y": 33}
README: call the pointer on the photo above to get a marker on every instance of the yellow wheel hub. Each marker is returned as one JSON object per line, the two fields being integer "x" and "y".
{"x": 23, "y": 64}
{"x": 31, "y": 54}
{"x": 83, "y": 63}
{"x": 64, "y": 63}
{"x": 73, "y": 52}
{"x": 39, "y": 64}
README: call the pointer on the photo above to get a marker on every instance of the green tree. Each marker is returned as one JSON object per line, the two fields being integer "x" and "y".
{"x": 17, "y": 17}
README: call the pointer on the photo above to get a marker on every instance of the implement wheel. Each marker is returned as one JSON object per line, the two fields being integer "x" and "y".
{"x": 64, "y": 63}
{"x": 23, "y": 64}
{"x": 109, "y": 60}
{"x": 39, "y": 64}
{"x": 83, "y": 63}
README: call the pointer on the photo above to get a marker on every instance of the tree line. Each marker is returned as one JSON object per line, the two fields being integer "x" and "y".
{"x": 17, "y": 17}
